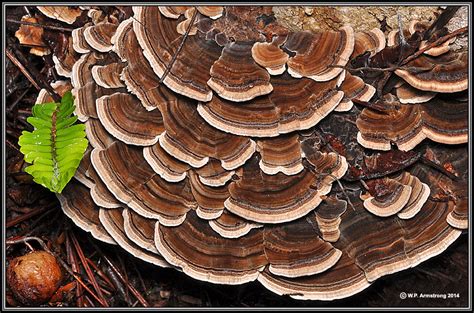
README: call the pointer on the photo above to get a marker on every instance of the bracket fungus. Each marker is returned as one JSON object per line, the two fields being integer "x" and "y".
{"x": 62, "y": 13}
{"x": 270, "y": 56}
{"x": 372, "y": 41}
{"x": 404, "y": 194}
{"x": 222, "y": 147}
{"x": 441, "y": 120}
{"x": 328, "y": 217}
{"x": 319, "y": 56}
{"x": 446, "y": 73}
{"x": 32, "y": 36}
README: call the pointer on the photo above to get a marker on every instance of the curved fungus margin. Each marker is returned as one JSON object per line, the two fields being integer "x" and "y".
{"x": 217, "y": 152}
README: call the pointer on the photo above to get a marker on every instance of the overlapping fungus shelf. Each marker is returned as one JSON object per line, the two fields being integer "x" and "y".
{"x": 220, "y": 144}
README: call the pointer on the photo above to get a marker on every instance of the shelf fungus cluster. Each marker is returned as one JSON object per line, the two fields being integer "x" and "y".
{"x": 235, "y": 150}
{"x": 434, "y": 83}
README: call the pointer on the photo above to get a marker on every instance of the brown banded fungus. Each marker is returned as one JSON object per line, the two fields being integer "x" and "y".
{"x": 354, "y": 88}
{"x": 236, "y": 77}
{"x": 280, "y": 154}
{"x": 99, "y": 192}
{"x": 113, "y": 222}
{"x": 108, "y": 76}
{"x": 440, "y": 120}
{"x": 140, "y": 230}
{"x": 214, "y": 148}
{"x": 270, "y": 56}
{"x": 229, "y": 225}
{"x": 210, "y": 200}
{"x": 186, "y": 26}
{"x": 62, "y": 13}
{"x": 126, "y": 119}
{"x": 213, "y": 174}
{"x": 78, "y": 206}
{"x": 404, "y": 194}
{"x": 373, "y": 41}
{"x": 159, "y": 40}
{"x": 83, "y": 171}
{"x": 133, "y": 182}
{"x": 98, "y": 137}
{"x": 173, "y": 12}
{"x": 417, "y": 26}
{"x": 451, "y": 190}
{"x": 446, "y": 73}
{"x": 80, "y": 44}
{"x": 32, "y": 36}
{"x": 65, "y": 57}
{"x": 319, "y": 56}
{"x": 279, "y": 198}
{"x": 138, "y": 74}
{"x": 98, "y": 37}
{"x": 328, "y": 218}
{"x": 214, "y": 12}
{"x": 294, "y": 104}
{"x": 164, "y": 164}
{"x": 190, "y": 139}
{"x": 408, "y": 94}
{"x": 59, "y": 86}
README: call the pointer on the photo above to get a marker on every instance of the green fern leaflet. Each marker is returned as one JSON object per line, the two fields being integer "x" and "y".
{"x": 56, "y": 146}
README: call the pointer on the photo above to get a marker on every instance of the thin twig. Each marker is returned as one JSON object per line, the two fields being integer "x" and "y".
{"x": 139, "y": 297}
{"x": 27, "y": 10}
{"x": 37, "y": 223}
{"x": 381, "y": 84}
{"x": 312, "y": 168}
{"x": 75, "y": 268}
{"x": 20, "y": 66}
{"x": 132, "y": 289}
{"x": 382, "y": 70}
{"x": 436, "y": 275}
{"x": 124, "y": 271}
{"x": 441, "y": 21}
{"x": 435, "y": 43}
{"x": 13, "y": 132}
{"x": 373, "y": 106}
{"x": 401, "y": 35}
{"x": 29, "y": 246}
{"x": 104, "y": 288}
{"x": 12, "y": 145}
{"x": 118, "y": 285}
{"x": 439, "y": 167}
{"x": 64, "y": 29}
{"x": 18, "y": 99}
{"x": 20, "y": 60}
{"x": 89, "y": 301}
{"x": 89, "y": 273}
{"x": 100, "y": 273}
{"x": 364, "y": 68}
{"x": 26, "y": 216}
{"x": 344, "y": 192}
{"x": 26, "y": 111}
{"x": 328, "y": 144}
{"x": 186, "y": 34}
{"x": 140, "y": 278}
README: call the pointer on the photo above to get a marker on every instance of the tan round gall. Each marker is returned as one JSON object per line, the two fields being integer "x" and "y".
{"x": 34, "y": 277}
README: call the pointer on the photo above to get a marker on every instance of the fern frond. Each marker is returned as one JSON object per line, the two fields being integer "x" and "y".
{"x": 56, "y": 146}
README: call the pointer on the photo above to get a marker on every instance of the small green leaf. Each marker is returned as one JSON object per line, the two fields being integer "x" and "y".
{"x": 56, "y": 146}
